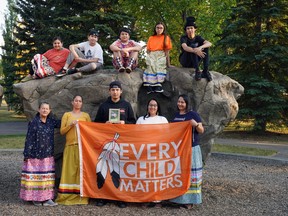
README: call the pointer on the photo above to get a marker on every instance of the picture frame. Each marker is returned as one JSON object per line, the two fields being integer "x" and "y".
{"x": 114, "y": 115}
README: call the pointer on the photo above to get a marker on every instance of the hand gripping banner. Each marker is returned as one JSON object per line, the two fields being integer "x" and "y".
{"x": 134, "y": 163}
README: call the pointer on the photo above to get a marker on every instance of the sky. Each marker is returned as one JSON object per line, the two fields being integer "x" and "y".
{"x": 3, "y": 10}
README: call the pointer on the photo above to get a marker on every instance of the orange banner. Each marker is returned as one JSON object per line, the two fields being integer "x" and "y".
{"x": 134, "y": 163}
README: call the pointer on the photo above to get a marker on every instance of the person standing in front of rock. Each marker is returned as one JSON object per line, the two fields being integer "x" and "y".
{"x": 69, "y": 188}
{"x": 89, "y": 54}
{"x": 125, "y": 52}
{"x": 194, "y": 49}
{"x": 157, "y": 59}
{"x": 194, "y": 194}
{"x": 38, "y": 170}
{"x": 115, "y": 101}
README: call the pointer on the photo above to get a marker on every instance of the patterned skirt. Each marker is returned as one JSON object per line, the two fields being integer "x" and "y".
{"x": 194, "y": 194}
{"x": 37, "y": 179}
{"x": 69, "y": 188}
{"x": 155, "y": 73}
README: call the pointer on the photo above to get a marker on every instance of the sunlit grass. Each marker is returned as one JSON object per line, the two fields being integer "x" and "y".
{"x": 242, "y": 150}
{"x": 8, "y": 116}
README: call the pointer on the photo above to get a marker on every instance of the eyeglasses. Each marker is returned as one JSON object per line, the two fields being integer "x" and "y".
{"x": 152, "y": 105}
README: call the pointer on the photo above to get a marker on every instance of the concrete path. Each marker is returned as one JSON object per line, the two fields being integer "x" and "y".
{"x": 13, "y": 128}
{"x": 281, "y": 148}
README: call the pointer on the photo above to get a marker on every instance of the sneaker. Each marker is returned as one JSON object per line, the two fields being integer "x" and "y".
{"x": 207, "y": 74}
{"x": 122, "y": 204}
{"x": 100, "y": 203}
{"x": 61, "y": 73}
{"x": 121, "y": 70}
{"x": 36, "y": 203}
{"x": 158, "y": 89}
{"x": 198, "y": 75}
{"x": 49, "y": 203}
{"x": 72, "y": 71}
{"x": 27, "y": 78}
{"x": 149, "y": 90}
{"x": 128, "y": 70}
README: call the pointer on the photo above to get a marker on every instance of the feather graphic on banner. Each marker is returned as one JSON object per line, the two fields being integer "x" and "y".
{"x": 109, "y": 158}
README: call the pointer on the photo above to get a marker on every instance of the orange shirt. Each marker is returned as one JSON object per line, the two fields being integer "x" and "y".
{"x": 57, "y": 58}
{"x": 156, "y": 43}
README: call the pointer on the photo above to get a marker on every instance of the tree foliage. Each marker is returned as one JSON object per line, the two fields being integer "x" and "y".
{"x": 9, "y": 58}
{"x": 254, "y": 39}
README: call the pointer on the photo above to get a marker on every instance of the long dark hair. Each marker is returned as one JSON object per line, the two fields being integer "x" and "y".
{"x": 158, "y": 108}
{"x": 186, "y": 99}
{"x": 164, "y": 32}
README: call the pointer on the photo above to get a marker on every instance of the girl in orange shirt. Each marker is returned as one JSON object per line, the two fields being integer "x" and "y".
{"x": 157, "y": 60}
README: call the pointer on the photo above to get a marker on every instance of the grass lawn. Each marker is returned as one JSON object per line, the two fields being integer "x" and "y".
{"x": 242, "y": 150}
{"x": 12, "y": 141}
{"x": 8, "y": 116}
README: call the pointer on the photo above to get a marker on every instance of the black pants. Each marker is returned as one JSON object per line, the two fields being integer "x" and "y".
{"x": 191, "y": 60}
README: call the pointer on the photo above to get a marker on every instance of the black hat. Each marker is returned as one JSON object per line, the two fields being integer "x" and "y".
{"x": 115, "y": 84}
{"x": 93, "y": 32}
{"x": 190, "y": 21}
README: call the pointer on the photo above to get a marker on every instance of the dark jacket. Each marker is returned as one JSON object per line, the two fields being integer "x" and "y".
{"x": 126, "y": 111}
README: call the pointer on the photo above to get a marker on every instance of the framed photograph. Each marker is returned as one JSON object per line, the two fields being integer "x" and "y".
{"x": 114, "y": 115}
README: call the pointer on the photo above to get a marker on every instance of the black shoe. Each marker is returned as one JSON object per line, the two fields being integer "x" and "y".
{"x": 121, "y": 70}
{"x": 122, "y": 204}
{"x": 198, "y": 75}
{"x": 158, "y": 89}
{"x": 128, "y": 70}
{"x": 207, "y": 74}
{"x": 149, "y": 90}
{"x": 72, "y": 71}
{"x": 100, "y": 203}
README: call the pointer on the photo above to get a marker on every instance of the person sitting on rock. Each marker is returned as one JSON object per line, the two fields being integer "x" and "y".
{"x": 125, "y": 52}
{"x": 50, "y": 62}
{"x": 89, "y": 54}
{"x": 157, "y": 60}
{"x": 194, "y": 49}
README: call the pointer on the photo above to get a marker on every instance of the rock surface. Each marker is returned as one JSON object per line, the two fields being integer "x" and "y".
{"x": 215, "y": 101}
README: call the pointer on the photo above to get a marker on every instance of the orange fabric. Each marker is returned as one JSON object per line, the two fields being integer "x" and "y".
{"x": 156, "y": 43}
{"x": 57, "y": 58}
{"x": 153, "y": 161}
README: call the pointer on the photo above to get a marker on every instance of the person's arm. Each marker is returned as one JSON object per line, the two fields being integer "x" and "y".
{"x": 65, "y": 127}
{"x": 100, "y": 115}
{"x": 114, "y": 48}
{"x": 130, "y": 116}
{"x": 30, "y": 138}
{"x": 135, "y": 48}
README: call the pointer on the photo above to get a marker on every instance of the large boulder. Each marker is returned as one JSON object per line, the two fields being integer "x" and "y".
{"x": 215, "y": 101}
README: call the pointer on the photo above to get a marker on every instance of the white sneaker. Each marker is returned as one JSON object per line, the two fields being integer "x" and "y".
{"x": 49, "y": 203}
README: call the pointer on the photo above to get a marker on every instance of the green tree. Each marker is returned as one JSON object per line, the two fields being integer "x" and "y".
{"x": 256, "y": 54}
{"x": 9, "y": 58}
{"x": 209, "y": 17}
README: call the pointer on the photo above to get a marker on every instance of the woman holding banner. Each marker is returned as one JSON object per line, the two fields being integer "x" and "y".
{"x": 153, "y": 115}
{"x": 194, "y": 194}
{"x": 69, "y": 189}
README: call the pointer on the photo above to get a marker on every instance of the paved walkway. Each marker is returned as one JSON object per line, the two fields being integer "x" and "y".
{"x": 281, "y": 148}
{"x": 13, "y": 128}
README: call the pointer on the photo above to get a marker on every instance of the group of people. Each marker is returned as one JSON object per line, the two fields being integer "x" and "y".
{"x": 38, "y": 171}
{"x": 37, "y": 179}
{"x": 194, "y": 49}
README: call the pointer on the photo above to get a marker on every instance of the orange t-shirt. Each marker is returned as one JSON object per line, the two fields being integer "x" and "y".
{"x": 57, "y": 58}
{"x": 156, "y": 43}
